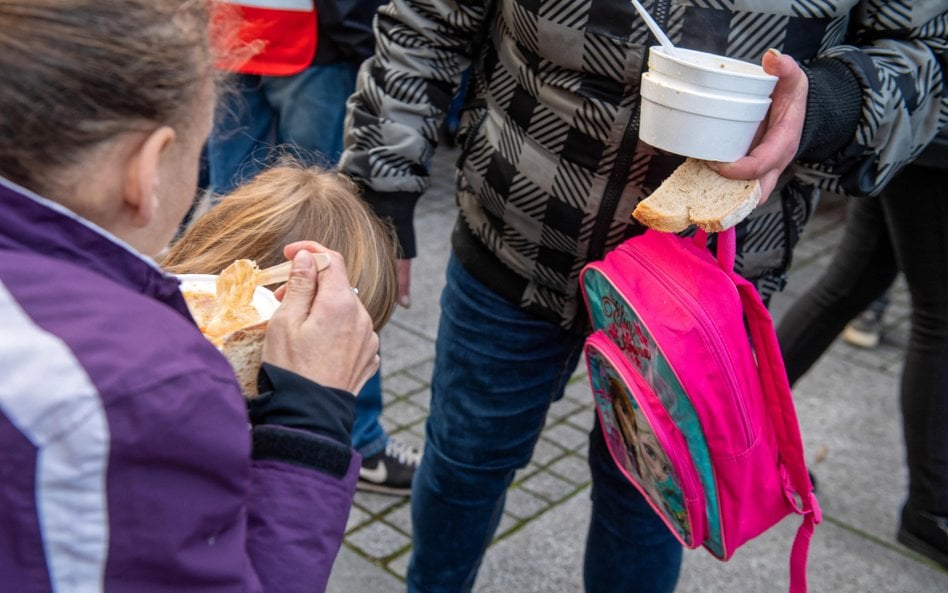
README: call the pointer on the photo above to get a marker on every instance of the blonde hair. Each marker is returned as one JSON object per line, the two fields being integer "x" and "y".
{"x": 287, "y": 203}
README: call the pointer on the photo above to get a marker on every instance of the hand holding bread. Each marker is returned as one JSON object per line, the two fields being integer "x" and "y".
{"x": 696, "y": 194}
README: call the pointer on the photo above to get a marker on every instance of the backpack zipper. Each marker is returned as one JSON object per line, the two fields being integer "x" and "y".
{"x": 704, "y": 322}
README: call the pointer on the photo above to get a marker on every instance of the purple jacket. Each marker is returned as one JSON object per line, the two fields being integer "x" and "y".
{"x": 125, "y": 444}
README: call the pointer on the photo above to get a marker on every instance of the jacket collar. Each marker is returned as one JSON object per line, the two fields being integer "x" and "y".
{"x": 29, "y": 222}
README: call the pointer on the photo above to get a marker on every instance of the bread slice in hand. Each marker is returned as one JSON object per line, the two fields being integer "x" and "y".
{"x": 696, "y": 194}
{"x": 244, "y": 351}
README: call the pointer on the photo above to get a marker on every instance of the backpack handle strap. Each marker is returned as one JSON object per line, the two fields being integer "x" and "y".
{"x": 727, "y": 246}
{"x": 779, "y": 401}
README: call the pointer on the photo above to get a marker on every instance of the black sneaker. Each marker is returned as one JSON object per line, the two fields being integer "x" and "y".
{"x": 390, "y": 471}
{"x": 925, "y": 533}
{"x": 865, "y": 331}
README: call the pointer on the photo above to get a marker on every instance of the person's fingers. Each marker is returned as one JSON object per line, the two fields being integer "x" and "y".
{"x": 768, "y": 182}
{"x": 322, "y": 258}
{"x": 300, "y": 289}
{"x": 404, "y": 283}
{"x": 783, "y": 126}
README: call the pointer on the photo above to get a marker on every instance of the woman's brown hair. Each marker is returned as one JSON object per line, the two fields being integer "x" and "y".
{"x": 287, "y": 203}
{"x": 75, "y": 73}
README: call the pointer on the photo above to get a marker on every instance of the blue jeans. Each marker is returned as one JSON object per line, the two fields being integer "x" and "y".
{"x": 302, "y": 114}
{"x": 368, "y": 436}
{"x": 497, "y": 370}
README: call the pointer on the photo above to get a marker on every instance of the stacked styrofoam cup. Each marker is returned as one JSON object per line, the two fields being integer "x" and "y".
{"x": 702, "y": 105}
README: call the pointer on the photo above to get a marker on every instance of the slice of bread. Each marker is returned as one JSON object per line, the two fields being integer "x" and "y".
{"x": 244, "y": 351}
{"x": 696, "y": 194}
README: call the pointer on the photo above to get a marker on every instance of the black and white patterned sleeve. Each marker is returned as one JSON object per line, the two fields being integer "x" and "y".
{"x": 402, "y": 95}
{"x": 897, "y": 53}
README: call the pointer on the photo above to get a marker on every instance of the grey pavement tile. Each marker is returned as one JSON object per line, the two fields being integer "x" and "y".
{"x": 400, "y": 518}
{"x": 374, "y": 503}
{"x": 522, "y": 504}
{"x": 560, "y": 409}
{"x": 572, "y": 467}
{"x": 401, "y": 383}
{"x": 351, "y": 573}
{"x": 546, "y": 451}
{"x": 404, "y": 413}
{"x": 378, "y": 540}
{"x": 567, "y": 436}
{"x": 507, "y": 523}
{"x": 552, "y": 488}
{"x": 422, "y": 398}
{"x": 422, "y": 369}
{"x": 356, "y": 518}
{"x": 578, "y": 390}
{"x": 399, "y": 566}
{"x": 403, "y": 349}
{"x": 584, "y": 418}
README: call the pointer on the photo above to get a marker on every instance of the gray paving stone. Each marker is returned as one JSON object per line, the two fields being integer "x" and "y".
{"x": 400, "y": 518}
{"x": 401, "y": 383}
{"x": 403, "y": 349}
{"x": 521, "y": 504}
{"x": 573, "y": 468}
{"x": 351, "y": 573}
{"x": 567, "y": 436}
{"x": 356, "y": 517}
{"x": 404, "y": 414}
{"x": 546, "y": 451}
{"x": 375, "y": 503}
{"x": 378, "y": 540}
{"x": 552, "y": 488}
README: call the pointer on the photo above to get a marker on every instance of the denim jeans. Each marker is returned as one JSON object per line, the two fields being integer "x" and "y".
{"x": 302, "y": 114}
{"x": 497, "y": 370}
{"x": 368, "y": 436}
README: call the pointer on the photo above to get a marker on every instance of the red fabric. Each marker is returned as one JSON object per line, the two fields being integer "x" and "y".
{"x": 289, "y": 41}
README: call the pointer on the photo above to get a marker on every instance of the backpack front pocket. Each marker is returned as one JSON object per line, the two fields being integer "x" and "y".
{"x": 644, "y": 441}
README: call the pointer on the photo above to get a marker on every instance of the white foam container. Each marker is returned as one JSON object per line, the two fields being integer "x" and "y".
{"x": 702, "y": 105}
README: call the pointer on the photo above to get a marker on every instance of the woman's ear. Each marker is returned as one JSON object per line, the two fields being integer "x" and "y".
{"x": 142, "y": 174}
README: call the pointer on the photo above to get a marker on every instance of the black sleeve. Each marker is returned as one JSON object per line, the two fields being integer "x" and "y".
{"x": 289, "y": 400}
{"x": 833, "y": 108}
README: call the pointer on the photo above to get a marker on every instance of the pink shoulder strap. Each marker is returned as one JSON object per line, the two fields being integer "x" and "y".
{"x": 779, "y": 401}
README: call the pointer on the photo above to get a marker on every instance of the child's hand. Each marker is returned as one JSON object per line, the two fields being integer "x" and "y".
{"x": 321, "y": 331}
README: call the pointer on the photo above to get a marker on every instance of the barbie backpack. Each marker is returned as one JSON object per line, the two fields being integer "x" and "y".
{"x": 692, "y": 395}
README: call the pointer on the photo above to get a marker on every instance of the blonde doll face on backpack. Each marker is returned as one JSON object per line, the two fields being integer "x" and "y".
{"x": 654, "y": 461}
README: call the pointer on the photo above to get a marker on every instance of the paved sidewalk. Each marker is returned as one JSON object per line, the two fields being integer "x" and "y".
{"x": 848, "y": 409}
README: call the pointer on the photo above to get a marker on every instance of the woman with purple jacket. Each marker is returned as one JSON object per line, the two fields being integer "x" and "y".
{"x": 128, "y": 460}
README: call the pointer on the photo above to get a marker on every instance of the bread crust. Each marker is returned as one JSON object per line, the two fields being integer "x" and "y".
{"x": 696, "y": 194}
{"x": 244, "y": 351}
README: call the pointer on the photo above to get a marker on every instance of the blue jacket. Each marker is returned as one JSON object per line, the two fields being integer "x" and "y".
{"x": 125, "y": 444}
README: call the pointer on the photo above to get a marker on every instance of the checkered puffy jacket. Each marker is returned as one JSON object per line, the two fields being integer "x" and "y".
{"x": 551, "y": 166}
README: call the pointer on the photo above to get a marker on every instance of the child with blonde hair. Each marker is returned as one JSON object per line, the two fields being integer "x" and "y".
{"x": 292, "y": 202}
{"x": 287, "y": 203}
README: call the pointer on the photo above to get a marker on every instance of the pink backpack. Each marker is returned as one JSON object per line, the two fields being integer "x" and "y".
{"x": 697, "y": 414}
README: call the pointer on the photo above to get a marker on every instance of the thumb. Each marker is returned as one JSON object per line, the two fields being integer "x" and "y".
{"x": 301, "y": 287}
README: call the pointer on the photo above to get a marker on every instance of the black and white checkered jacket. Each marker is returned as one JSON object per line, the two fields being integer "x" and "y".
{"x": 552, "y": 168}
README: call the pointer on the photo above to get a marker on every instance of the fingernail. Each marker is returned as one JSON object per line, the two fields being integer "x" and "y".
{"x": 405, "y": 301}
{"x": 774, "y": 51}
{"x": 303, "y": 260}
{"x": 713, "y": 165}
